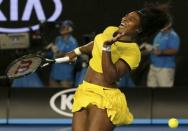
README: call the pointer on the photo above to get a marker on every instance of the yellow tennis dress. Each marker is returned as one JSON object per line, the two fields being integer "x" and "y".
{"x": 111, "y": 99}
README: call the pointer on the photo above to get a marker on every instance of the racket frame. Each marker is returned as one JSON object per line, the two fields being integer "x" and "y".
{"x": 19, "y": 59}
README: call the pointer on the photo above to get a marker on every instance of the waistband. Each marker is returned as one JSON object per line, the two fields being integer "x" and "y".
{"x": 91, "y": 85}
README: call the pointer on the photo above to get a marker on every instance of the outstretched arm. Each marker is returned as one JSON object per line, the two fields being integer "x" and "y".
{"x": 85, "y": 49}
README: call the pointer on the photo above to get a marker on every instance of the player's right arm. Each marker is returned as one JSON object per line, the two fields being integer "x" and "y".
{"x": 85, "y": 49}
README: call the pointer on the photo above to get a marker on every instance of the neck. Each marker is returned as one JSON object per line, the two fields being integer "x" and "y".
{"x": 127, "y": 39}
{"x": 65, "y": 36}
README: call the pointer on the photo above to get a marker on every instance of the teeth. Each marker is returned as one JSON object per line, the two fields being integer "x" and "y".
{"x": 122, "y": 24}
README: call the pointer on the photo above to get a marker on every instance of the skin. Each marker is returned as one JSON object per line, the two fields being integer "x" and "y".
{"x": 93, "y": 118}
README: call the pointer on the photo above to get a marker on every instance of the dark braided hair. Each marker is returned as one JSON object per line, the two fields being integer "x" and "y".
{"x": 153, "y": 19}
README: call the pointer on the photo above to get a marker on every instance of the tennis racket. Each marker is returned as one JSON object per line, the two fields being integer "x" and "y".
{"x": 28, "y": 64}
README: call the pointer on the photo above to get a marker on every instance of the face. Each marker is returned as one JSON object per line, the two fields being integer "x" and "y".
{"x": 66, "y": 30}
{"x": 130, "y": 24}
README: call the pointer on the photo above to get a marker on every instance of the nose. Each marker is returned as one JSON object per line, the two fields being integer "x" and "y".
{"x": 123, "y": 19}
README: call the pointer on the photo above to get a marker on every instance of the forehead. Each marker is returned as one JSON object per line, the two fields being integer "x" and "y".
{"x": 134, "y": 15}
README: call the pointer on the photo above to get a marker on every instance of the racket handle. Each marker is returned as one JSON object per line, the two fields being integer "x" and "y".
{"x": 63, "y": 59}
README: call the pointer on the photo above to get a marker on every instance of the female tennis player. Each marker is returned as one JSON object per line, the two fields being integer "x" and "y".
{"x": 98, "y": 103}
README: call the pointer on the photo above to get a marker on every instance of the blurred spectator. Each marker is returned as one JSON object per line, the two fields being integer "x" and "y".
{"x": 163, "y": 53}
{"x": 62, "y": 75}
{"x": 31, "y": 80}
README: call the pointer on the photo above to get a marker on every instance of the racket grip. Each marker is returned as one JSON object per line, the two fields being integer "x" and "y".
{"x": 63, "y": 59}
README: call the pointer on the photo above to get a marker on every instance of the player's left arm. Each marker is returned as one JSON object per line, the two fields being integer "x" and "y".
{"x": 112, "y": 72}
{"x": 85, "y": 49}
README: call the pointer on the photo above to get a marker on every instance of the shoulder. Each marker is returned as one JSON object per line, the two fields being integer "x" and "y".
{"x": 131, "y": 54}
{"x": 159, "y": 34}
{"x": 134, "y": 48}
{"x": 58, "y": 38}
{"x": 73, "y": 39}
{"x": 110, "y": 30}
{"x": 173, "y": 33}
{"x": 106, "y": 34}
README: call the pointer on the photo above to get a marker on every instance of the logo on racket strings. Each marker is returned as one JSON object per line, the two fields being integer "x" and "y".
{"x": 23, "y": 66}
{"x": 23, "y": 16}
{"x": 62, "y": 101}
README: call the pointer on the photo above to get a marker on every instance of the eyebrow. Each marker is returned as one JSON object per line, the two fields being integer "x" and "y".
{"x": 132, "y": 17}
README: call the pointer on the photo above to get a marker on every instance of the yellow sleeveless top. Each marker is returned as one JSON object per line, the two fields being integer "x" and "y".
{"x": 129, "y": 52}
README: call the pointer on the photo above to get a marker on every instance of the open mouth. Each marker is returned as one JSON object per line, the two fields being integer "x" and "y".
{"x": 122, "y": 25}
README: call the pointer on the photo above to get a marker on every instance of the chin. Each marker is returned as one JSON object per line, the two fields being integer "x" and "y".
{"x": 121, "y": 30}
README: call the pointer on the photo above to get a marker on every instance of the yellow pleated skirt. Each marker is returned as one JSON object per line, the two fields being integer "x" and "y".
{"x": 111, "y": 99}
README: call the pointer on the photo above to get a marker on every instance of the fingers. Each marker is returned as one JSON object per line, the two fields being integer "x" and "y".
{"x": 118, "y": 36}
{"x": 114, "y": 39}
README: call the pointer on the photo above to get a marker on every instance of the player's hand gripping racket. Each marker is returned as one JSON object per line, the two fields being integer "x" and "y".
{"x": 28, "y": 64}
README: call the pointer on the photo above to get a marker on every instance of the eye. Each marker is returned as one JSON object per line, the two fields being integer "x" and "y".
{"x": 131, "y": 19}
{"x": 124, "y": 16}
